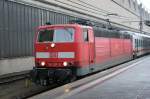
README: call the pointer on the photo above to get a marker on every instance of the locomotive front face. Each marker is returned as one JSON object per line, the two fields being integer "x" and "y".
{"x": 55, "y": 47}
{"x": 62, "y": 52}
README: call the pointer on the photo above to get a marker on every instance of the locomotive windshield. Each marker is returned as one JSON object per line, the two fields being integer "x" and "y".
{"x": 56, "y": 35}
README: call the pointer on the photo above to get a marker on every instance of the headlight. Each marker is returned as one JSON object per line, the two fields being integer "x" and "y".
{"x": 65, "y": 63}
{"x": 43, "y": 63}
{"x": 53, "y": 45}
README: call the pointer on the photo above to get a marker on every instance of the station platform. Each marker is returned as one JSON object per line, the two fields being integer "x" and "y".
{"x": 130, "y": 82}
{"x": 16, "y": 65}
{"x": 134, "y": 83}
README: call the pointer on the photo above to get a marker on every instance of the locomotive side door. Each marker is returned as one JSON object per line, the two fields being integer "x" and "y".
{"x": 91, "y": 49}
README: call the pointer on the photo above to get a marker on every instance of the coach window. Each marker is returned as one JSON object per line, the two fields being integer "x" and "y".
{"x": 139, "y": 43}
{"x": 128, "y": 36}
{"x": 85, "y": 34}
{"x": 136, "y": 43}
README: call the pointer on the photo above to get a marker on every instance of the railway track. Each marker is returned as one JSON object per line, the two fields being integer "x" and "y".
{"x": 9, "y": 78}
{"x": 35, "y": 91}
{"x": 20, "y": 90}
{"x": 19, "y": 86}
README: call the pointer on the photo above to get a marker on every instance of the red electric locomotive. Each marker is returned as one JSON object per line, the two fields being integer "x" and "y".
{"x": 66, "y": 51}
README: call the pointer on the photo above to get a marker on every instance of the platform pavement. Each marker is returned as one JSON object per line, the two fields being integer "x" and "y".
{"x": 134, "y": 83}
{"x": 16, "y": 65}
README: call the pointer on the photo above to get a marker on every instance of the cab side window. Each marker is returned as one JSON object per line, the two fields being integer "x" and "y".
{"x": 85, "y": 35}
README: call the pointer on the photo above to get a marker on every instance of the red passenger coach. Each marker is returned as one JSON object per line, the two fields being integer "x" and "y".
{"x": 64, "y": 52}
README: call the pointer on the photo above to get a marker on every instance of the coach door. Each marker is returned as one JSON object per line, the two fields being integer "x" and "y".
{"x": 91, "y": 49}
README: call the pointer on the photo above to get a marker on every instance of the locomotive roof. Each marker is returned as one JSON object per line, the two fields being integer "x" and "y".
{"x": 64, "y": 25}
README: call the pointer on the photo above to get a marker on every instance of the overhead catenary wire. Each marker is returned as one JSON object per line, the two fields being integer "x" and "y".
{"x": 102, "y": 12}
{"x": 80, "y": 8}
{"x": 87, "y": 6}
{"x": 95, "y": 7}
{"x": 106, "y": 11}
{"x": 83, "y": 12}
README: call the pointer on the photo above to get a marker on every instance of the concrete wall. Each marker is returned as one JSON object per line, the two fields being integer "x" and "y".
{"x": 125, "y": 11}
{"x": 18, "y": 24}
{"x": 16, "y": 65}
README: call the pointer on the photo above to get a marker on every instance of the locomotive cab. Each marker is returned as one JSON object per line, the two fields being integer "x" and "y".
{"x": 54, "y": 47}
{"x": 62, "y": 52}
